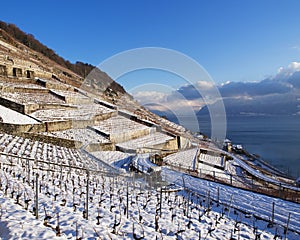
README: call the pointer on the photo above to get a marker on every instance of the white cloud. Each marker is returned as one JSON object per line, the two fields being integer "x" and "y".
{"x": 172, "y": 101}
{"x": 205, "y": 85}
{"x": 284, "y": 72}
{"x": 146, "y": 97}
{"x": 226, "y": 83}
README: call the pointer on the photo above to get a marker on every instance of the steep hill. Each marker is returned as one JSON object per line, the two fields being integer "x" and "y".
{"x": 24, "y": 60}
{"x": 26, "y": 47}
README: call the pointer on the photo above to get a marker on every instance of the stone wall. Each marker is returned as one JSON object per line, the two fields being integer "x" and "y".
{"x": 3, "y": 70}
{"x": 126, "y": 136}
{"x": 53, "y": 140}
{"x": 58, "y": 125}
{"x": 104, "y": 116}
{"x": 169, "y": 145}
{"x": 19, "y": 128}
{"x": 13, "y": 105}
{"x": 30, "y": 108}
{"x": 43, "y": 127}
{"x": 183, "y": 142}
{"x": 52, "y": 84}
{"x": 81, "y": 123}
{"x": 95, "y": 147}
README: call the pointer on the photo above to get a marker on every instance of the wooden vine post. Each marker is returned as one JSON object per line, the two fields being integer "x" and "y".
{"x": 87, "y": 194}
{"x": 37, "y": 196}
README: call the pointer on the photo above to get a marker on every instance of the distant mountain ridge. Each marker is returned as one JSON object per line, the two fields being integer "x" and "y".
{"x": 272, "y": 96}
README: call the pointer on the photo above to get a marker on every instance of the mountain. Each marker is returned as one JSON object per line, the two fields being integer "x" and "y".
{"x": 279, "y": 104}
{"x": 279, "y": 95}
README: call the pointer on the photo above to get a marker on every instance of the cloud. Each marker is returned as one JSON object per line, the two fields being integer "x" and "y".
{"x": 252, "y": 89}
{"x": 187, "y": 98}
{"x": 147, "y": 97}
{"x": 173, "y": 101}
{"x": 284, "y": 72}
{"x": 199, "y": 90}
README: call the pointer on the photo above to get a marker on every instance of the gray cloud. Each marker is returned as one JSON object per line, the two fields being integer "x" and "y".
{"x": 279, "y": 94}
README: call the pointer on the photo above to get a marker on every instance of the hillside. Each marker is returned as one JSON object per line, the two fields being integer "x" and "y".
{"x": 63, "y": 69}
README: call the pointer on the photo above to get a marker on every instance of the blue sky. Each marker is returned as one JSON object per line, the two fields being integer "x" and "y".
{"x": 233, "y": 40}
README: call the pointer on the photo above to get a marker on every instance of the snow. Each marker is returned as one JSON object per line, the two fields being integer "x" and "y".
{"x": 13, "y": 117}
{"x": 147, "y": 141}
{"x": 172, "y": 215}
{"x": 262, "y": 176}
{"x": 81, "y": 112}
{"x": 86, "y": 136}
{"x": 118, "y": 125}
{"x": 31, "y": 98}
{"x": 184, "y": 159}
{"x": 17, "y": 223}
{"x": 253, "y": 203}
{"x": 108, "y": 202}
{"x": 26, "y": 148}
{"x": 114, "y": 158}
{"x": 8, "y": 85}
{"x": 72, "y": 97}
{"x": 214, "y": 160}
{"x": 142, "y": 163}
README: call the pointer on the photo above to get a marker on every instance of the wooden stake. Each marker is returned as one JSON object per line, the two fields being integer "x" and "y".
{"x": 36, "y": 196}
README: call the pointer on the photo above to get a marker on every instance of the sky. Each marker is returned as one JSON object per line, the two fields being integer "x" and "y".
{"x": 233, "y": 40}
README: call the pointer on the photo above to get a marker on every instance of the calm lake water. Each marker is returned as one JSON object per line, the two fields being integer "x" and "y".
{"x": 275, "y": 138}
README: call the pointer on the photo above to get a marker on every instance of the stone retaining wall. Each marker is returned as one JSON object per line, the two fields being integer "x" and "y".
{"x": 12, "y": 105}
{"x": 96, "y": 147}
{"x": 126, "y": 136}
{"x": 19, "y": 128}
{"x": 53, "y": 140}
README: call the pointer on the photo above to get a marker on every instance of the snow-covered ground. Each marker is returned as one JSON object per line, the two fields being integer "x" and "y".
{"x": 142, "y": 163}
{"x": 184, "y": 159}
{"x": 118, "y": 125}
{"x": 247, "y": 201}
{"x": 126, "y": 208}
{"x": 146, "y": 141}
{"x": 46, "y": 152}
{"x": 13, "y": 117}
{"x": 81, "y": 112}
{"x": 213, "y": 160}
{"x": 114, "y": 158}
{"x": 232, "y": 171}
{"x": 31, "y": 98}
{"x": 271, "y": 179}
{"x": 85, "y": 135}
{"x": 115, "y": 211}
{"x": 72, "y": 97}
{"x": 4, "y": 85}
